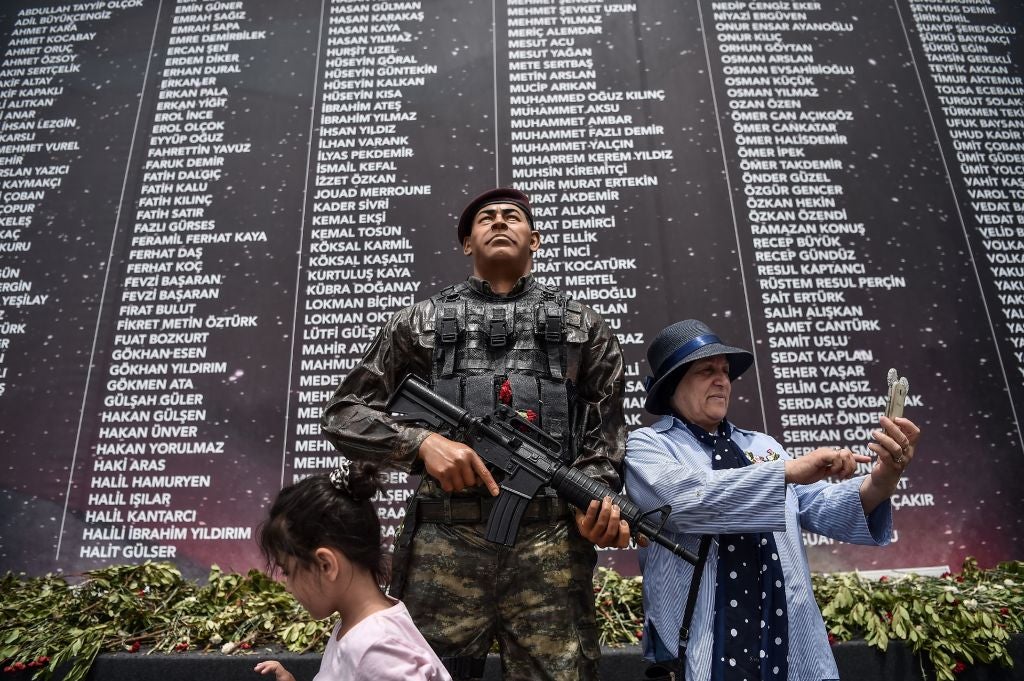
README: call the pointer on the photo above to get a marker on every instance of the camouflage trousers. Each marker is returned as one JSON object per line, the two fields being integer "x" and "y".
{"x": 536, "y": 598}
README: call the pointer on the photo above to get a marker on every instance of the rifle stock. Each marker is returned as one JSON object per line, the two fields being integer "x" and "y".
{"x": 529, "y": 458}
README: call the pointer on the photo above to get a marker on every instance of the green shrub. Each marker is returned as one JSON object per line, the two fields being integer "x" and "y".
{"x": 953, "y": 621}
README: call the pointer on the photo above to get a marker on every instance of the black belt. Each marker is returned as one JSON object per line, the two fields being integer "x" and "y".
{"x": 460, "y": 510}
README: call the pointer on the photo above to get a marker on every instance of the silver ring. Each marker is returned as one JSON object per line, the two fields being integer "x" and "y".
{"x": 899, "y": 460}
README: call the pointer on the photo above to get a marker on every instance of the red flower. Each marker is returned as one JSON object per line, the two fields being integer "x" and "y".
{"x": 888, "y": 616}
{"x": 1004, "y": 611}
{"x": 959, "y": 667}
{"x": 531, "y": 416}
{"x": 640, "y": 633}
{"x": 505, "y": 392}
{"x": 245, "y": 645}
{"x": 8, "y": 669}
{"x": 832, "y": 640}
{"x": 42, "y": 659}
{"x": 19, "y": 666}
{"x": 181, "y": 646}
{"x": 884, "y": 578}
{"x": 135, "y": 647}
{"x": 945, "y": 574}
{"x": 959, "y": 578}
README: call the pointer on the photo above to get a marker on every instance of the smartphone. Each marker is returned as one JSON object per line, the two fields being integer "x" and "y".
{"x": 898, "y": 388}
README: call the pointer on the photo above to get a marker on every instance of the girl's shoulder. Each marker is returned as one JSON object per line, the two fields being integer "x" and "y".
{"x": 394, "y": 623}
{"x": 387, "y": 645}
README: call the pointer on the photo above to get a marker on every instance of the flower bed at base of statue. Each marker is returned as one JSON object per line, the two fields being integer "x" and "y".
{"x": 954, "y": 621}
{"x": 951, "y": 622}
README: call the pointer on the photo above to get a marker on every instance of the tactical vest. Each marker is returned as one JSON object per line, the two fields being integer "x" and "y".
{"x": 531, "y": 339}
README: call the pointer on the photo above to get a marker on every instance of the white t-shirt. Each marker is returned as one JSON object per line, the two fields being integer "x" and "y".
{"x": 384, "y": 646}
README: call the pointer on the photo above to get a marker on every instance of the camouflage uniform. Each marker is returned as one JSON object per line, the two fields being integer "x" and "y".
{"x": 535, "y": 598}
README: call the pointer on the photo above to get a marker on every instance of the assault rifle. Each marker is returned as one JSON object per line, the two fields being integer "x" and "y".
{"x": 530, "y": 459}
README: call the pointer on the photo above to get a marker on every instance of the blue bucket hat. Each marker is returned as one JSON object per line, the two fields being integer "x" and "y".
{"x": 674, "y": 349}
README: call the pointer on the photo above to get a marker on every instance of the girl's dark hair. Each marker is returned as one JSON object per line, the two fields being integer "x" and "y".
{"x": 316, "y": 512}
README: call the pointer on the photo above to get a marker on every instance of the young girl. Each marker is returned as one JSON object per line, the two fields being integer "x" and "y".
{"x": 324, "y": 536}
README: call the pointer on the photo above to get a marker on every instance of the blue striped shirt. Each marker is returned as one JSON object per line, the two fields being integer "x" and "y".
{"x": 666, "y": 464}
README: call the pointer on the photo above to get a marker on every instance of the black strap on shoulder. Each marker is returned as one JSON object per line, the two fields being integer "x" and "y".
{"x": 447, "y": 335}
{"x": 550, "y": 327}
{"x": 446, "y": 327}
{"x": 553, "y": 339}
{"x": 574, "y": 326}
{"x": 497, "y": 327}
{"x": 553, "y": 322}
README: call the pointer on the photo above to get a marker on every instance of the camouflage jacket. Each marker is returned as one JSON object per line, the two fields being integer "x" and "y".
{"x": 354, "y": 419}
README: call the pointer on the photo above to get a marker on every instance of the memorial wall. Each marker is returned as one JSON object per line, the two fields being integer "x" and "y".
{"x": 208, "y": 209}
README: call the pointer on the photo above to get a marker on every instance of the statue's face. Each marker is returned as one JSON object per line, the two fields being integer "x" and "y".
{"x": 501, "y": 232}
